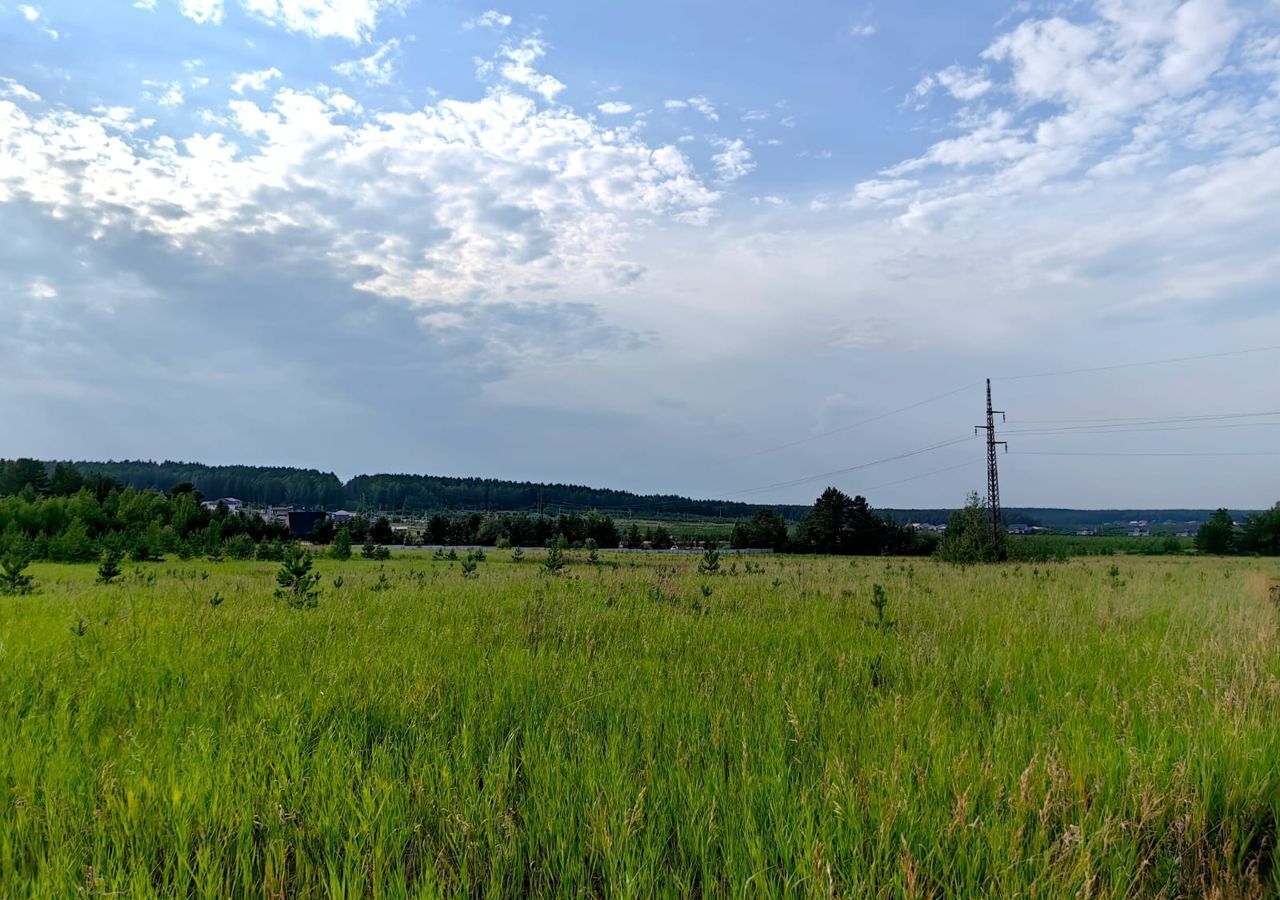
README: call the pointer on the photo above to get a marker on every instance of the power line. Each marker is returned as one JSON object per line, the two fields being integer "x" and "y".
{"x": 1100, "y": 431}
{"x": 1146, "y": 453}
{"x": 876, "y": 462}
{"x": 1144, "y": 420}
{"x": 963, "y": 465}
{"x": 1149, "y": 362}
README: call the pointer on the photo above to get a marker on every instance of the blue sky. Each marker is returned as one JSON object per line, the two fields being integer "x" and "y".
{"x": 636, "y": 244}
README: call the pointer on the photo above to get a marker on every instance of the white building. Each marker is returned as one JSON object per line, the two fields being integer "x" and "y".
{"x": 232, "y": 504}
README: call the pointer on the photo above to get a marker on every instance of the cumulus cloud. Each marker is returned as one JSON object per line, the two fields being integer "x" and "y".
{"x": 10, "y": 88}
{"x": 704, "y": 106}
{"x": 202, "y": 11}
{"x": 960, "y": 83}
{"x": 255, "y": 81}
{"x": 1099, "y": 95}
{"x": 354, "y": 20}
{"x": 516, "y": 65}
{"x": 733, "y": 161}
{"x": 491, "y": 19}
{"x": 700, "y": 104}
{"x": 614, "y": 108}
{"x": 378, "y": 67}
{"x": 165, "y": 93}
{"x": 457, "y": 202}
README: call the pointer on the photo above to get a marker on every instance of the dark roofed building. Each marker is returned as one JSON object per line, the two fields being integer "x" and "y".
{"x": 304, "y": 521}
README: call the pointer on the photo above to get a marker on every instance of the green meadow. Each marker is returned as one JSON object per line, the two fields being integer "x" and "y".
{"x": 637, "y": 728}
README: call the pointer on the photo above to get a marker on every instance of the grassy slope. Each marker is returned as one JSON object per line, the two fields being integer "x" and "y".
{"x": 1026, "y": 731}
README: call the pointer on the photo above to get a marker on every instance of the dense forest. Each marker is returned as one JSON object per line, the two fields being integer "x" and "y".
{"x": 263, "y": 485}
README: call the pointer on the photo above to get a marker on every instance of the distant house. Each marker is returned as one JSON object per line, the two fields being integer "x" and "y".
{"x": 1141, "y": 528}
{"x": 231, "y": 503}
{"x": 342, "y": 515}
{"x": 1019, "y": 529}
{"x": 277, "y": 514}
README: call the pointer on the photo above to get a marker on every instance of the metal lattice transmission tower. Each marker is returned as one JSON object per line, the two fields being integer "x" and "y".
{"x": 993, "y": 476}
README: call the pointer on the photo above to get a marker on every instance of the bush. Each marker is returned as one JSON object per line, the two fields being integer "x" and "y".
{"x": 968, "y": 539}
{"x": 376, "y": 551}
{"x": 240, "y": 547}
{"x": 13, "y": 580}
{"x": 341, "y": 547}
{"x": 109, "y": 569}
{"x": 297, "y": 583}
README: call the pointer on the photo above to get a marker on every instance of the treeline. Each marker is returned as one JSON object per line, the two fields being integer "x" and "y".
{"x": 396, "y": 493}
{"x": 260, "y": 485}
{"x": 64, "y": 515}
{"x": 1257, "y": 534}
{"x": 70, "y": 518}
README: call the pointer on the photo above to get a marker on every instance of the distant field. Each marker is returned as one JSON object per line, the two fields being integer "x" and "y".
{"x": 1068, "y": 545}
{"x": 640, "y": 729}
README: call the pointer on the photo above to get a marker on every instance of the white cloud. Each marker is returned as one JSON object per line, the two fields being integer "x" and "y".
{"x": 33, "y": 14}
{"x": 456, "y": 203}
{"x": 862, "y": 31}
{"x": 1095, "y": 97}
{"x": 377, "y": 68}
{"x": 962, "y": 84}
{"x": 614, "y": 108}
{"x": 733, "y": 161}
{"x": 165, "y": 93}
{"x": 489, "y": 19}
{"x": 882, "y": 192}
{"x": 255, "y": 81}
{"x": 704, "y": 106}
{"x": 354, "y": 20}
{"x": 12, "y": 89}
{"x": 144, "y": 4}
{"x": 202, "y": 11}
{"x": 41, "y": 289}
{"x": 700, "y": 104}
{"x": 518, "y": 68}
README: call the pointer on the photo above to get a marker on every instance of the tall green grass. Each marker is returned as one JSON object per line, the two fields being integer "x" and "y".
{"x": 1043, "y": 731}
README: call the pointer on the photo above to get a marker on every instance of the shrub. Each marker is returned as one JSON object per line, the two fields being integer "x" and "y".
{"x": 376, "y": 551}
{"x": 968, "y": 539}
{"x": 240, "y": 547}
{"x": 109, "y": 569}
{"x": 555, "y": 562}
{"x": 710, "y": 563}
{"x": 297, "y": 583}
{"x": 13, "y": 580}
{"x": 340, "y": 549}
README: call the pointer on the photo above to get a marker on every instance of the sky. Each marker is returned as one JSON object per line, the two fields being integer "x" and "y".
{"x": 724, "y": 249}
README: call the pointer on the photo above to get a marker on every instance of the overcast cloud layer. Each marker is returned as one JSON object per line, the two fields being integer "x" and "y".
{"x": 635, "y": 247}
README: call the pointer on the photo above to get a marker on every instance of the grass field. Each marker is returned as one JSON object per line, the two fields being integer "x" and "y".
{"x": 639, "y": 729}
